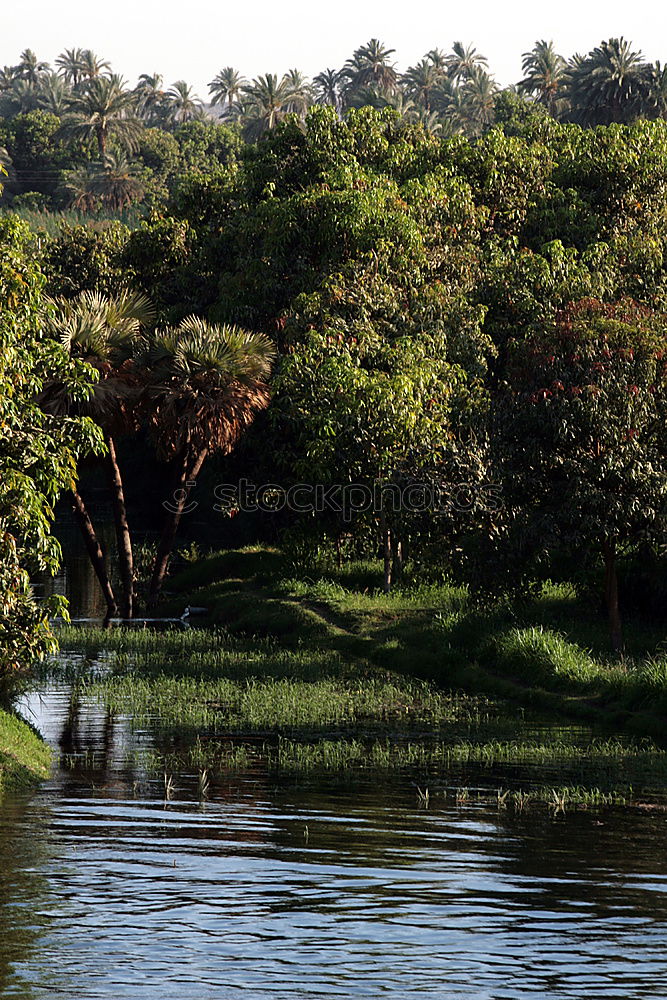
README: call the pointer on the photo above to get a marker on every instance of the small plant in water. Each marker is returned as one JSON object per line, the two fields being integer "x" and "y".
{"x": 423, "y": 797}
{"x": 168, "y": 787}
{"x": 202, "y": 785}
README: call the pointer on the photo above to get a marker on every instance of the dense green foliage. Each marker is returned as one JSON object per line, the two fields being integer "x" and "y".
{"x": 466, "y": 297}
{"x": 38, "y": 453}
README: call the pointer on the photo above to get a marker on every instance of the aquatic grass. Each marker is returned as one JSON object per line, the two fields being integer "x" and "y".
{"x": 273, "y": 704}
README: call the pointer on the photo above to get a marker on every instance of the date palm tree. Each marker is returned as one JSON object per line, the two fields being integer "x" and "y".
{"x": 371, "y": 67}
{"x": 479, "y": 93}
{"x": 150, "y": 97}
{"x": 104, "y": 331}
{"x": 545, "y": 73}
{"x": 301, "y": 94}
{"x": 181, "y": 103}
{"x": 92, "y": 66}
{"x": 226, "y": 87}
{"x": 206, "y": 384}
{"x": 464, "y": 61}
{"x": 655, "y": 102}
{"x": 609, "y": 84}
{"x": 116, "y": 181}
{"x": 103, "y": 108}
{"x": 70, "y": 66}
{"x": 421, "y": 80}
{"x": 328, "y": 87}
{"x": 30, "y": 68}
{"x": 54, "y": 94}
{"x": 266, "y": 103}
{"x": 8, "y": 76}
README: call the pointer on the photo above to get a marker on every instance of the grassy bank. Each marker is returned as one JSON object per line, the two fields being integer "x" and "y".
{"x": 24, "y": 757}
{"x": 551, "y": 651}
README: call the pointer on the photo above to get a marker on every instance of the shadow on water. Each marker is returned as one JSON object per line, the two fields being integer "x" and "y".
{"x": 273, "y": 888}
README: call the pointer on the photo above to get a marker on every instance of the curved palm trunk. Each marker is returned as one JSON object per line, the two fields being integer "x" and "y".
{"x": 187, "y": 475}
{"x": 123, "y": 539}
{"x": 95, "y": 553}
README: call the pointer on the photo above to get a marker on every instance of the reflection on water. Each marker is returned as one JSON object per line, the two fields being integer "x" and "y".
{"x": 275, "y": 890}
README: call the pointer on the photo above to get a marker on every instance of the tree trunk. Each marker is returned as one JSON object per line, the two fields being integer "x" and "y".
{"x": 611, "y": 594}
{"x": 101, "y": 141}
{"x": 185, "y": 481}
{"x": 95, "y": 553}
{"x": 123, "y": 539}
{"x": 386, "y": 547}
{"x": 397, "y": 565}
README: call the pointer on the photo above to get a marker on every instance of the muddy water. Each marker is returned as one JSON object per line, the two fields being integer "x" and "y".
{"x": 272, "y": 889}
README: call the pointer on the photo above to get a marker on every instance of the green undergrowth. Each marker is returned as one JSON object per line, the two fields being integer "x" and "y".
{"x": 265, "y": 619}
{"x": 24, "y": 757}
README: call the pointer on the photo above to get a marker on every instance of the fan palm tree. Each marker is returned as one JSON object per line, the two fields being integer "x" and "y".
{"x": 70, "y": 66}
{"x": 104, "y": 331}
{"x": 462, "y": 62}
{"x": 328, "y": 87}
{"x": 30, "y": 68}
{"x": 609, "y": 84}
{"x": 182, "y": 105}
{"x": 54, "y": 94}
{"x": 545, "y": 72}
{"x": 266, "y": 103}
{"x": 207, "y": 383}
{"x": 370, "y": 67}
{"x": 226, "y": 87}
{"x": 103, "y": 109}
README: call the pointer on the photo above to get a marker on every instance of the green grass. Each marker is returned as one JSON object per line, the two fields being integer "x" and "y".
{"x": 550, "y": 652}
{"x": 24, "y": 757}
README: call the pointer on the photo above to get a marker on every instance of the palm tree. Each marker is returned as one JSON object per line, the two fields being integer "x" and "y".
{"x": 655, "y": 102}
{"x": 104, "y": 331}
{"x": 301, "y": 95}
{"x": 370, "y": 67}
{"x": 328, "y": 87}
{"x": 30, "y": 68}
{"x": 479, "y": 93}
{"x": 545, "y": 73}
{"x": 54, "y": 94}
{"x": 92, "y": 66}
{"x": 116, "y": 181}
{"x": 226, "y": 87}
{"x": 150, "y": 97}
{"x": 608, "y": 85}
{"x": 421, "y": 80}
{"x": 207, "y": 383}
{"x": 267, "y": 103}
{"x": 8, "y": 76}
{"x": 22, "y": 97}
{"x": 78, "y": 186}
{"x": 182, "y": 105}
{"x": 438, "y": 59}
{"x": 102, "y": 109}
{"x": 463, "y": 62}
{"x": 70, "y": 66}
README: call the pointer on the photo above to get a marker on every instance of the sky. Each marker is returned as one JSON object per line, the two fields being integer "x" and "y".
{"x": 194, "y": 39}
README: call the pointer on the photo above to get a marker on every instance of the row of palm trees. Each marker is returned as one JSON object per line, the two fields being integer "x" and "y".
{"x": 447, "y": 91}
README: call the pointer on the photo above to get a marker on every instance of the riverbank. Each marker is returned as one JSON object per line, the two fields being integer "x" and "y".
{"x": 550, "y": 653}
{"x": 24, "y": 757}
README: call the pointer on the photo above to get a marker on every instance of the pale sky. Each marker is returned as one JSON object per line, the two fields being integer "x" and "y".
{"x": 194, "y": 39}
